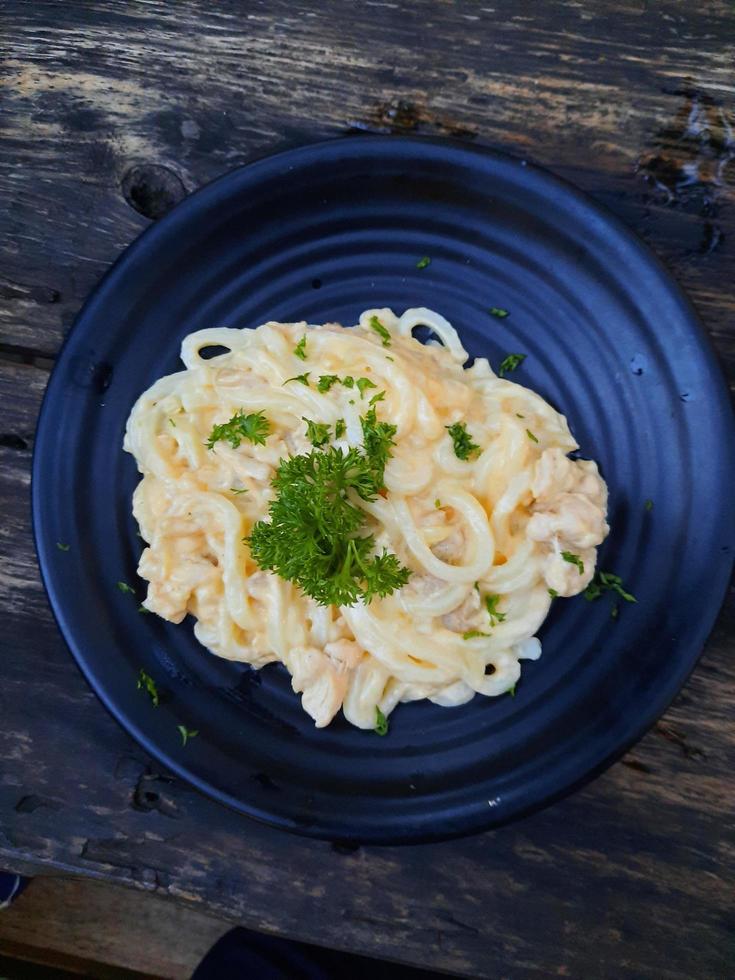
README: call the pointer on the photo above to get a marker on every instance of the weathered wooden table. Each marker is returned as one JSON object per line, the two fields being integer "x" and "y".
{"x": 112, "y": 112}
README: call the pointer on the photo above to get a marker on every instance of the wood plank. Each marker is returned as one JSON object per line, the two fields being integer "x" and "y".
{"x": 597, "y": 885}
{"x": 113, "y": 109}
{"x": 106, "y": 931}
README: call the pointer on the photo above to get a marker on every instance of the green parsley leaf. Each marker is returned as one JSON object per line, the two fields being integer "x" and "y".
{"x": 377, "y": 398}
{"x": 510, "y": 363}
{"x": 339, "y": 428}
{"x": 124, "y": 587}
{"x": 553, "y": 593}
{"x": 172, "y": 422}
{"x": 348, "y": 382}
{"x": 186, "y": 733}
{"x": 146, "y": 683}
{"x": 573, "y": 560}
{"x": 380, "y": 330}
{"x": 491, "y": 604}
{"x": 471, "y": 634}
{"x": 301, "y": 378}
{"x": 498, "y": 312}
{"x": 253, "y": 427}
{"x": 649, "y": 505}
{"x": 423, "y": 262}
{"x": 377, "y": 440}
{"x": 531, "y": 436}
{"x": 607, "y": 582}
{"x": 300, "y": 349}
{"x": 326, "y": 381}
{"x": 62, "y": 547}
{"x": 512, "y": 691}
{"x": 316, "y": 432}
{"x": 381, "y": 722}
{"x": 363, "y": 384}
{"x": 312, "y": 536}
{"x": 464, "y": 447}
{"x": 437, "y": 503}
{"x": 238, "y": 489}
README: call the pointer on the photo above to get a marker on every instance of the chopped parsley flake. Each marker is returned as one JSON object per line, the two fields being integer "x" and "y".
{"x": 377, "y": 398}
{"x": 186, "y": 733}
{"x": 615, "y": 611}
{"x": 553, "y": 593}
{"x": 348, "y": 381}
{"x": 339, "y": 428}
{"x": 423, "y": 262}
{"x": 381, "y": 722}
{"x": 146, "y": 683}
{"x": 171, "y": 421}
{"x": 253, "y": 427}
{"x": 301, "y": 378}
{"x": 300, "y": 349}
{"x": 573, "y": 560}
{"x": 142, "y": 609}
{"x": 491, "y": 604}
{"x": 471, "y": 634}
{"x": 512, "y": 691}
{"x": 510, "y": 363}
{"x": 363, "y": 384}
{"x": 464, "y": 447}
{"x": 607, "y": 582}
{"x": 124, "y": 587}
{"x": 531, "y": 436}
{"x": 326, "y": 381}
{"x": 389, "y": 358}
{"x": 437, "y": 503}
{"x": 380, "y": 330}
{"x": 498, "y": 312}
{"x": 649, "y": 505}
{"x": 62, "y": 547}
{"x": 238, "y": 489}
{"x": 316, "y": 432}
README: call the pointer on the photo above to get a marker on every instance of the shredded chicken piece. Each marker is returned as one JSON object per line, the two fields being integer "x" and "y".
{"x": 322, "y": 677}
{"x": 423, "y": 585}
{"x": 451, "y": 548}
{"x": 169, "y": 589}
{"x": 466, "y": 616}
{"x": 568, "y": 515}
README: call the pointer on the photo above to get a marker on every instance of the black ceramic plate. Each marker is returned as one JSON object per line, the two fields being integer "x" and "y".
{"x": 321, "y": 233}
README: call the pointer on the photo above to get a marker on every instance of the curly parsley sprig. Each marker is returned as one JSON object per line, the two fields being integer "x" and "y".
{"x": 313, "y": 536}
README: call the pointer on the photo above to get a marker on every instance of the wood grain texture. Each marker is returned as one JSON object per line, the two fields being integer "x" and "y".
{"x": 99, "y": 930}
{"x": 113, "y": 111}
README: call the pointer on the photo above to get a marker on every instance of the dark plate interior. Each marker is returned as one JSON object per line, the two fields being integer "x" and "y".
{"x": 321, "y": 233}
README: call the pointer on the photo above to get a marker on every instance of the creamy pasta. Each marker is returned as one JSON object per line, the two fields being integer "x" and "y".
{"x": 480, "y": 505}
